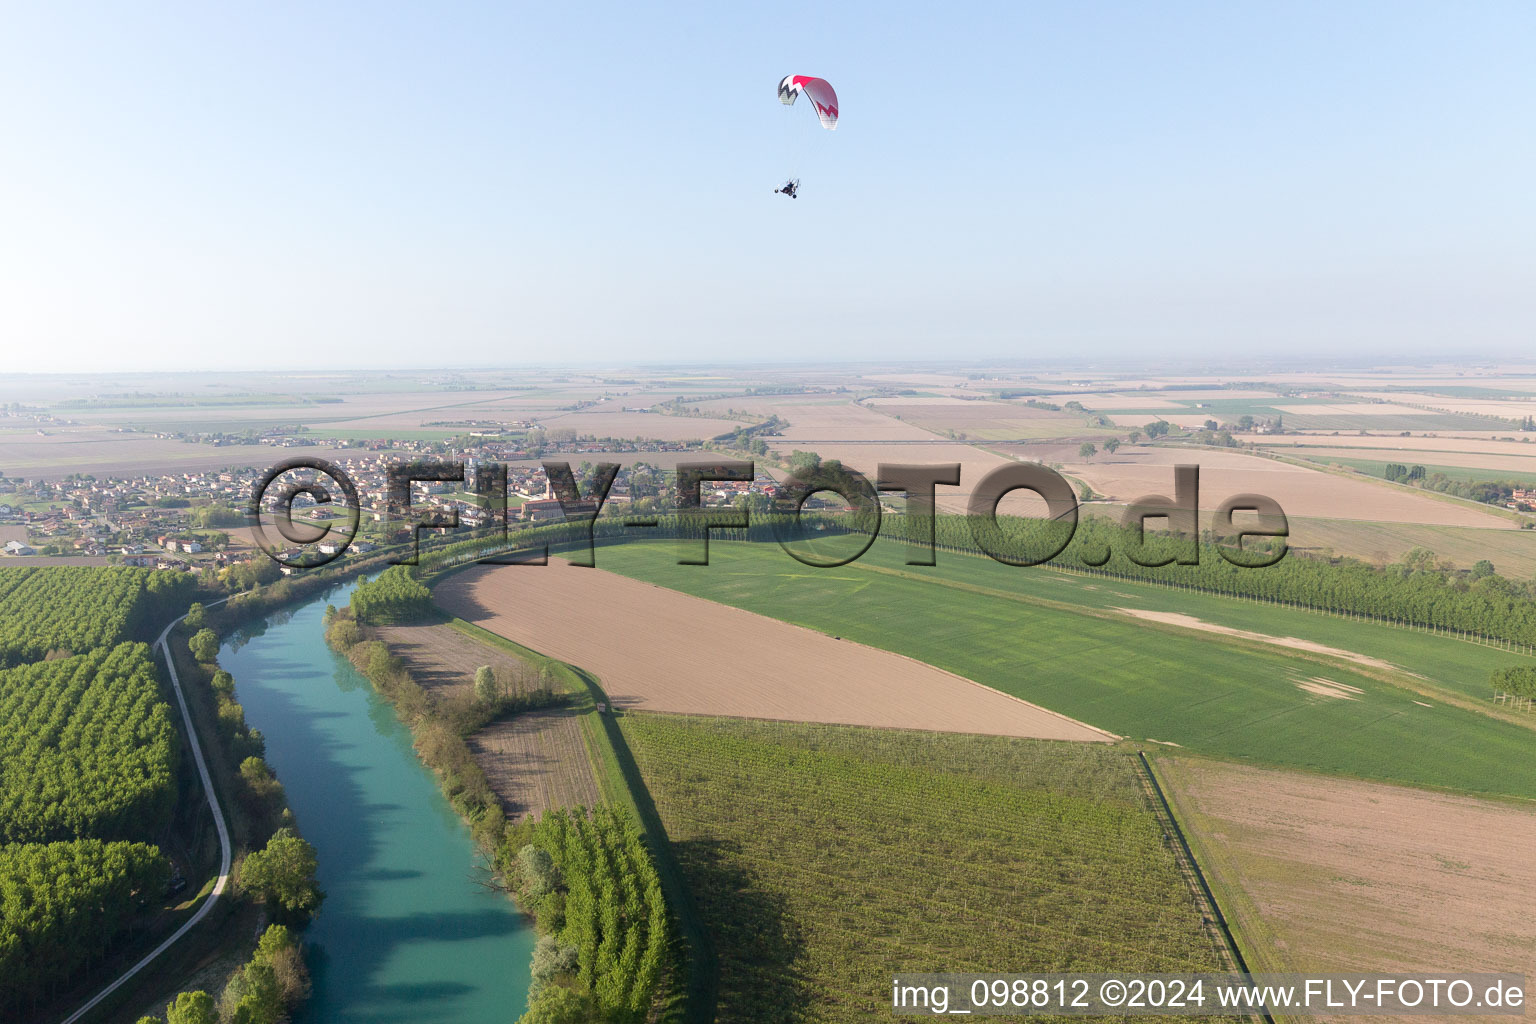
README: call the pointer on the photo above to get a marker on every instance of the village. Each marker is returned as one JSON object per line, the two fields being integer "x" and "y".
{"x": 197, "y": 519}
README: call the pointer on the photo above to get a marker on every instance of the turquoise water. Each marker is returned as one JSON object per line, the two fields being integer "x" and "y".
{"x": 407, "y": 932}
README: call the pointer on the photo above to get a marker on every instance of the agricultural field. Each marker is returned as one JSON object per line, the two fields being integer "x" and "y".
{"x": 1138, "y": 470}
{"x": 74, "y": 610}
{"x": 866, "y": 457}
{"x": 1513, "y": 552}
{"x": 819, "y": 858}
{"x": 642, "y": 643}
{"x": 535, "y": 759}
{"x": 1320, "y": 874}
{"x": 638, "y": 425}
{"x": 67, "y": 450}
{"x": 844, "y": 421}
{"x": 988, "y": 421}
{"x": 1468, "y": 467}
{"x": 1500, "y": 405}
{"x": 1523, "y": 476}
{"x": 87, "y": 748}
{"x": 1058, "y": 641}
{"x": 1516, "y": 444}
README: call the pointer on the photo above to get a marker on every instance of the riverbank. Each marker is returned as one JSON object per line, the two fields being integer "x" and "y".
{"x": 411, "y": 929}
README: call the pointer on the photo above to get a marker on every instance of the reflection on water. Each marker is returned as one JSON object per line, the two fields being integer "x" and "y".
{"x": 407, "y": 932}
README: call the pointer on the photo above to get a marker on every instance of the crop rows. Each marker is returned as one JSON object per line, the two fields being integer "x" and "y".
{"x": 60, "y": 903}
{"x": 830, "y": 856}
{"x": 615, "y": 915}
{"x": 77, "y": 608}
{"x": 86, "y": 748}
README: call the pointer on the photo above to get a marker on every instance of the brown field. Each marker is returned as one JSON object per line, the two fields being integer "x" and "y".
{"x": 104, "y": 453}
{"x": 1139, "y": 470}
{"x": 1461, "y": 460}
{"x": 660, "y": 650}
{"x": 866, "y": 458}
{"x": 536, "y": 760}
{"x": 1351, "y": 409}
{"x": 768, "y": 405}
{"x": 650, "y": 425}
{"x": 533, "y": 760}
{"x": 1447, "y": 443}
{"x": 848, "y": 422}
{"x": 1189, "y": 418}
{"x": 1102, "y": 401}
{"x": 1321, "y": 874}
{"x": 397, "y": 407}
{"x": 987, "y": 420}
{"x": 1513, "y": 552}
{"x": 1511, "y": 408}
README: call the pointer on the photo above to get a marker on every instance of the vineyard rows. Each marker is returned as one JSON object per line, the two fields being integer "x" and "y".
{"x": 833, "y": 855}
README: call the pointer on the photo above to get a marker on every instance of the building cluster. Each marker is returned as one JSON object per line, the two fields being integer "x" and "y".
{"x": 196, "y": 518}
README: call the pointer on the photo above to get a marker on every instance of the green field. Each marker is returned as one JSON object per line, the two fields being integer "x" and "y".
{"x": 1047, "y": 637}
{"x": 822, "y": 858}
{"x": 1231, "y": 409}
{"x": 1378, "y": 468}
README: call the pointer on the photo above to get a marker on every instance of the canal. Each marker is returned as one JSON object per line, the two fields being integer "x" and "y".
{"x": 408, "y": 931}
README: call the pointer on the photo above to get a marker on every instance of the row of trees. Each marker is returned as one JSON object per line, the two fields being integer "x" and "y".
{"x": 1482, "y": 603}
{"x": 61, "y": 904}
{"x": 395, "y": 596}
{"x": 77, "y": 608}
{"x": 1517, "y": 681}
{"x": 592, "y": 885}
{"x": 88, "y": 748}
{"x": 1492, "y": 492}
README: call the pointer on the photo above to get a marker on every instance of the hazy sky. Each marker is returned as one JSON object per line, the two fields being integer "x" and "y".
{"x": 289, "y": 185}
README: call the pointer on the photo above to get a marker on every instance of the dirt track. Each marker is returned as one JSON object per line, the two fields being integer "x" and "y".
{"x": 660, "y": 650}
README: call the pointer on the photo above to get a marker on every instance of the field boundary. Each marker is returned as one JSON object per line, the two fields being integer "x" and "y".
{"x": 619, "y": 782}
{"x": 1191, "y": 869}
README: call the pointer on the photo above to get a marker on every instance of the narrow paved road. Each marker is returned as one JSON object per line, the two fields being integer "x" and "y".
{"x": 222, "y": 881}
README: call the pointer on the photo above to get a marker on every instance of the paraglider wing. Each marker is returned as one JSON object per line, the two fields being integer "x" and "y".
{"x": 817, "y": 90}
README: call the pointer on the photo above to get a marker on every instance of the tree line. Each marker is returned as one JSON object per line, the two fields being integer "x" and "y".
{"x": 77, "y": 608}
{"x": 1483, "y": 603}
{"x": 88, "y": 748}
{"x": 395, "y": 596}
{"x": 606, "y": 940}
{"x": 61, "y": 904}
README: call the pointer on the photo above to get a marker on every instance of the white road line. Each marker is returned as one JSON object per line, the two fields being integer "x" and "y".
{"x": 218, "y": 819}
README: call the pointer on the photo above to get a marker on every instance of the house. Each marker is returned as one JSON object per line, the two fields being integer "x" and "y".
{"x": 191, "y": 547}
{"x": 16, "y": 547}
